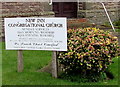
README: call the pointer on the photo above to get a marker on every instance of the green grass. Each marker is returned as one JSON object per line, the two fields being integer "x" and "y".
{"x": 0, "y": 64}
{"x": 33, "y": 61}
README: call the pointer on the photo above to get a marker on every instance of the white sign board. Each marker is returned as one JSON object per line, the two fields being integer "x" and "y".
{"x": 36, "y": 34}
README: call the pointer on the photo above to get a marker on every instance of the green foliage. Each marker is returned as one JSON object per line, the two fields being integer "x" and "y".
{"x": 33, "y": 60}
{"x": 107, "y": 24}
{"x": 92, "y": 77}
{"x": 117, "y": 23}
{"x": 117, "y": 30}
{"x": 90, "y": 50}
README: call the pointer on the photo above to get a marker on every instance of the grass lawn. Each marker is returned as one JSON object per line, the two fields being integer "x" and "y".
{"x": 0, "y": 64}
{"x": 34, "y": 60}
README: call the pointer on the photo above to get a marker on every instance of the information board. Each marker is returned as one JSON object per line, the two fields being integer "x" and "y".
{"x": 36, "y": 33}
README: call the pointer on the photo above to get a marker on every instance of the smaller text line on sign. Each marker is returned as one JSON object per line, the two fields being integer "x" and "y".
{"x": 36, "y": 34}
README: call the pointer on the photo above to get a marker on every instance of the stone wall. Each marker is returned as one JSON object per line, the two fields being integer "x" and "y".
{"x": 119, "y": 10}
{"x": 95, "y": 13}
{"x": 81, "y": 8}
{"x": 13, "y": 9}
{"x": 23, "y": 9}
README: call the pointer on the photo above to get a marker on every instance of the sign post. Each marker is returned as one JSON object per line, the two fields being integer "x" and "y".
{"x": 20, "y": 61}
{"x": 54, "y": 65}
{"x": 36, "y": 34}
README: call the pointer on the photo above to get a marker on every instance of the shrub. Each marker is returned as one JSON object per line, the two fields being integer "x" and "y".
{"x": 117, "y": 23}
{"x": 90, "y": 51}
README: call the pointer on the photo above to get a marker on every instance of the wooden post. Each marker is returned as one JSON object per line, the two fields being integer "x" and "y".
{"x": 54, "y": 65}
{"x": 20, "y": 61}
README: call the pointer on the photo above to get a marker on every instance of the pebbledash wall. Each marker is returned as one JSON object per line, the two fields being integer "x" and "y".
{"x": 93, "y": 12}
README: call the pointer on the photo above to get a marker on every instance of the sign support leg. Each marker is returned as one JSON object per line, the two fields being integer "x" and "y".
{"x": 20, "y": 61}
{"x": 54, "y": 65}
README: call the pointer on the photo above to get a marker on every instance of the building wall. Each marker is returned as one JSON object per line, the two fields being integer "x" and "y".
{"x": 95, "y": 13}
{"x": 81, "y": 10}
{"x": 119, "y": 10}
{"x": 13, "y": 9}
{"x": 23, "y": 9}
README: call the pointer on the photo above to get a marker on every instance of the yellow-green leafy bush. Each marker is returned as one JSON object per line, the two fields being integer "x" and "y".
{"x": 90, "y": 50}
